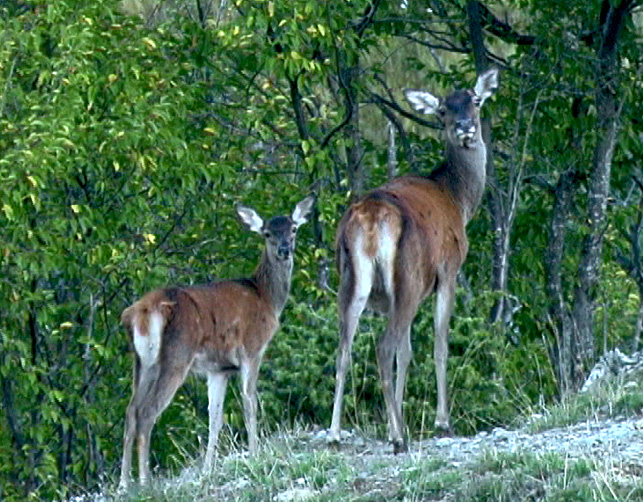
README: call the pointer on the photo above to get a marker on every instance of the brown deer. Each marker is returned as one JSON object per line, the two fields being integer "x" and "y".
{"x": 214, "y": 330}
{"x": 406, "y": 239}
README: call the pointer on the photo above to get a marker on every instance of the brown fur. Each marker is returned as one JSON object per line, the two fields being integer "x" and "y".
{"x": 216, "y": 321}
{"x": 213, "y": 330}
{"x": 405, "y": 240}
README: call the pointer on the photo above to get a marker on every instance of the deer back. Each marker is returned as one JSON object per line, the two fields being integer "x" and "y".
{"x": 233, "y": 316}
{"x": 413, "y": 223}
{"x": 223, "y": 322}
{"x": 220, "y": 322}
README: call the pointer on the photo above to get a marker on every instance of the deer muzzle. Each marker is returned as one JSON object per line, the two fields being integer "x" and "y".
{"x": 284, "y": 251}
{"x": 465, "y": 131}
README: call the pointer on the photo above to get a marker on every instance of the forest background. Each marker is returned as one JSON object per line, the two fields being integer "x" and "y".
{"x": 130, "y": 129}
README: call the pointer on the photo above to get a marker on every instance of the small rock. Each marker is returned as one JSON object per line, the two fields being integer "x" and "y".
{"x": 321, "y": 434}
{"x": 444, "y": 442}
{"x": 500, "y": 433}
{"x": 295, "y": 495}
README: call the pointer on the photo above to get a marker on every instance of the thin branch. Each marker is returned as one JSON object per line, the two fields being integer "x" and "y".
{"x": 501, "y": 29}
{"x": 446, "y": 47}
{"x": 378, "y": 99}
{"x": 300, "y": 117}
{"x": 436, "y": 20}
{"x": 367, "y": 18}
{"x": 349, "y": 103}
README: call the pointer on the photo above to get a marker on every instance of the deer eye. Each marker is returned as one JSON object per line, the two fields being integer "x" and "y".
{"x": 267, "y": 234}
{"x": 477, "y": 101}
{"x": 442, "y": 111}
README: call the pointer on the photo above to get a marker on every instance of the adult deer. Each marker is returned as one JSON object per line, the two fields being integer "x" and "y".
{"x": 406, "y": 239}
{"x": 216, "y": 330}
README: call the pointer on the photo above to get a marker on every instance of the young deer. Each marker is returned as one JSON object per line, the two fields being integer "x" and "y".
{"x": 215, "y": 329}
{"x": 405, "y": 240}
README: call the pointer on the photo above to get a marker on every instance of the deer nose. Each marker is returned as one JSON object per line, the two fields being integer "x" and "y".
{"x": 465, "y": 126}
{"x": 283, "y": 251}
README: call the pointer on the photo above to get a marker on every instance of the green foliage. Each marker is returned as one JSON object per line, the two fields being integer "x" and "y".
{"x": 125, "y": 142}
{"x": 104, "y": 180}
{"x": 123, "y": 151}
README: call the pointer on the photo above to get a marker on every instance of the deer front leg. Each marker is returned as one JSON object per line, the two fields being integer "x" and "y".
{"x": 217, "y": 383}
{"x": 443, "y": 310}
{"x": 249, "y": 375}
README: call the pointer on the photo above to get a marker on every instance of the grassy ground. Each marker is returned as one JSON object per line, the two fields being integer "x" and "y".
{"x": 284, "y": 472}
{"x": 298, "y": 466}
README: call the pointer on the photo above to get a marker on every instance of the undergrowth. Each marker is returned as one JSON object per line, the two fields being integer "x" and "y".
{"x": 615, "y": 398}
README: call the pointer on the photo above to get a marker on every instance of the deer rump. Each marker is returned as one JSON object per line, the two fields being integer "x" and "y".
{"x": 196, "y": 328}
{"x": 407, "y": 233}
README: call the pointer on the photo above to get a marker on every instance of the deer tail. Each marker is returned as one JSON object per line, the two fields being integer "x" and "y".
{"x": 146, "y": 320}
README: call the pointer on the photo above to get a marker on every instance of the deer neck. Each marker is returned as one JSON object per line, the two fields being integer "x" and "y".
{"x": 273, "y": 280}
{"x": 464, "y": 176}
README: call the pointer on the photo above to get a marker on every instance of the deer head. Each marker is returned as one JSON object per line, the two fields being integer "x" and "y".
{"x": 280, "y": 231}
{"x": 460, "y": 110}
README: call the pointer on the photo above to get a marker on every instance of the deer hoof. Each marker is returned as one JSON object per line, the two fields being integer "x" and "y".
{"x": 443, "y": 431}
{"x": 399, "y": 447}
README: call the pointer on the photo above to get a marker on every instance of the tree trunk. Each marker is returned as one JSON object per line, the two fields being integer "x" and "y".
{"x": 352, "y": 131}
{"x": 349, "y": 71}
{"x": 639, "y": 324}
{"x": 561, "y": 353}
{"x": 500, "y": 250}
{"x": 500, "y": 246}
{"x": 632, "y": 263}
{"x": 599, "y": 185}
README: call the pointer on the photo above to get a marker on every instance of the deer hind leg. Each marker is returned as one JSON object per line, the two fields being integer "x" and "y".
{"x": 144, "y": 380}
{"x": 217, "y": 383}
{"x": 443, "y": 311}
{"x": 151, "y": 405}
{"x": 355, "y": 287}
{"x": 395, "y": 345}
{"x": 249, "y": 375}
{"x": 128, "y": 443}
{"x": 403, "y": 310}
{"x": 403, "y": 359}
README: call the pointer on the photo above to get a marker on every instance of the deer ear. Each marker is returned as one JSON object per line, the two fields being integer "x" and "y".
{"x": 422, "y": 101}
{"x": 302, "y": 209}
{"x": 486, "y": 84}
{"x": 250, "y": 218}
